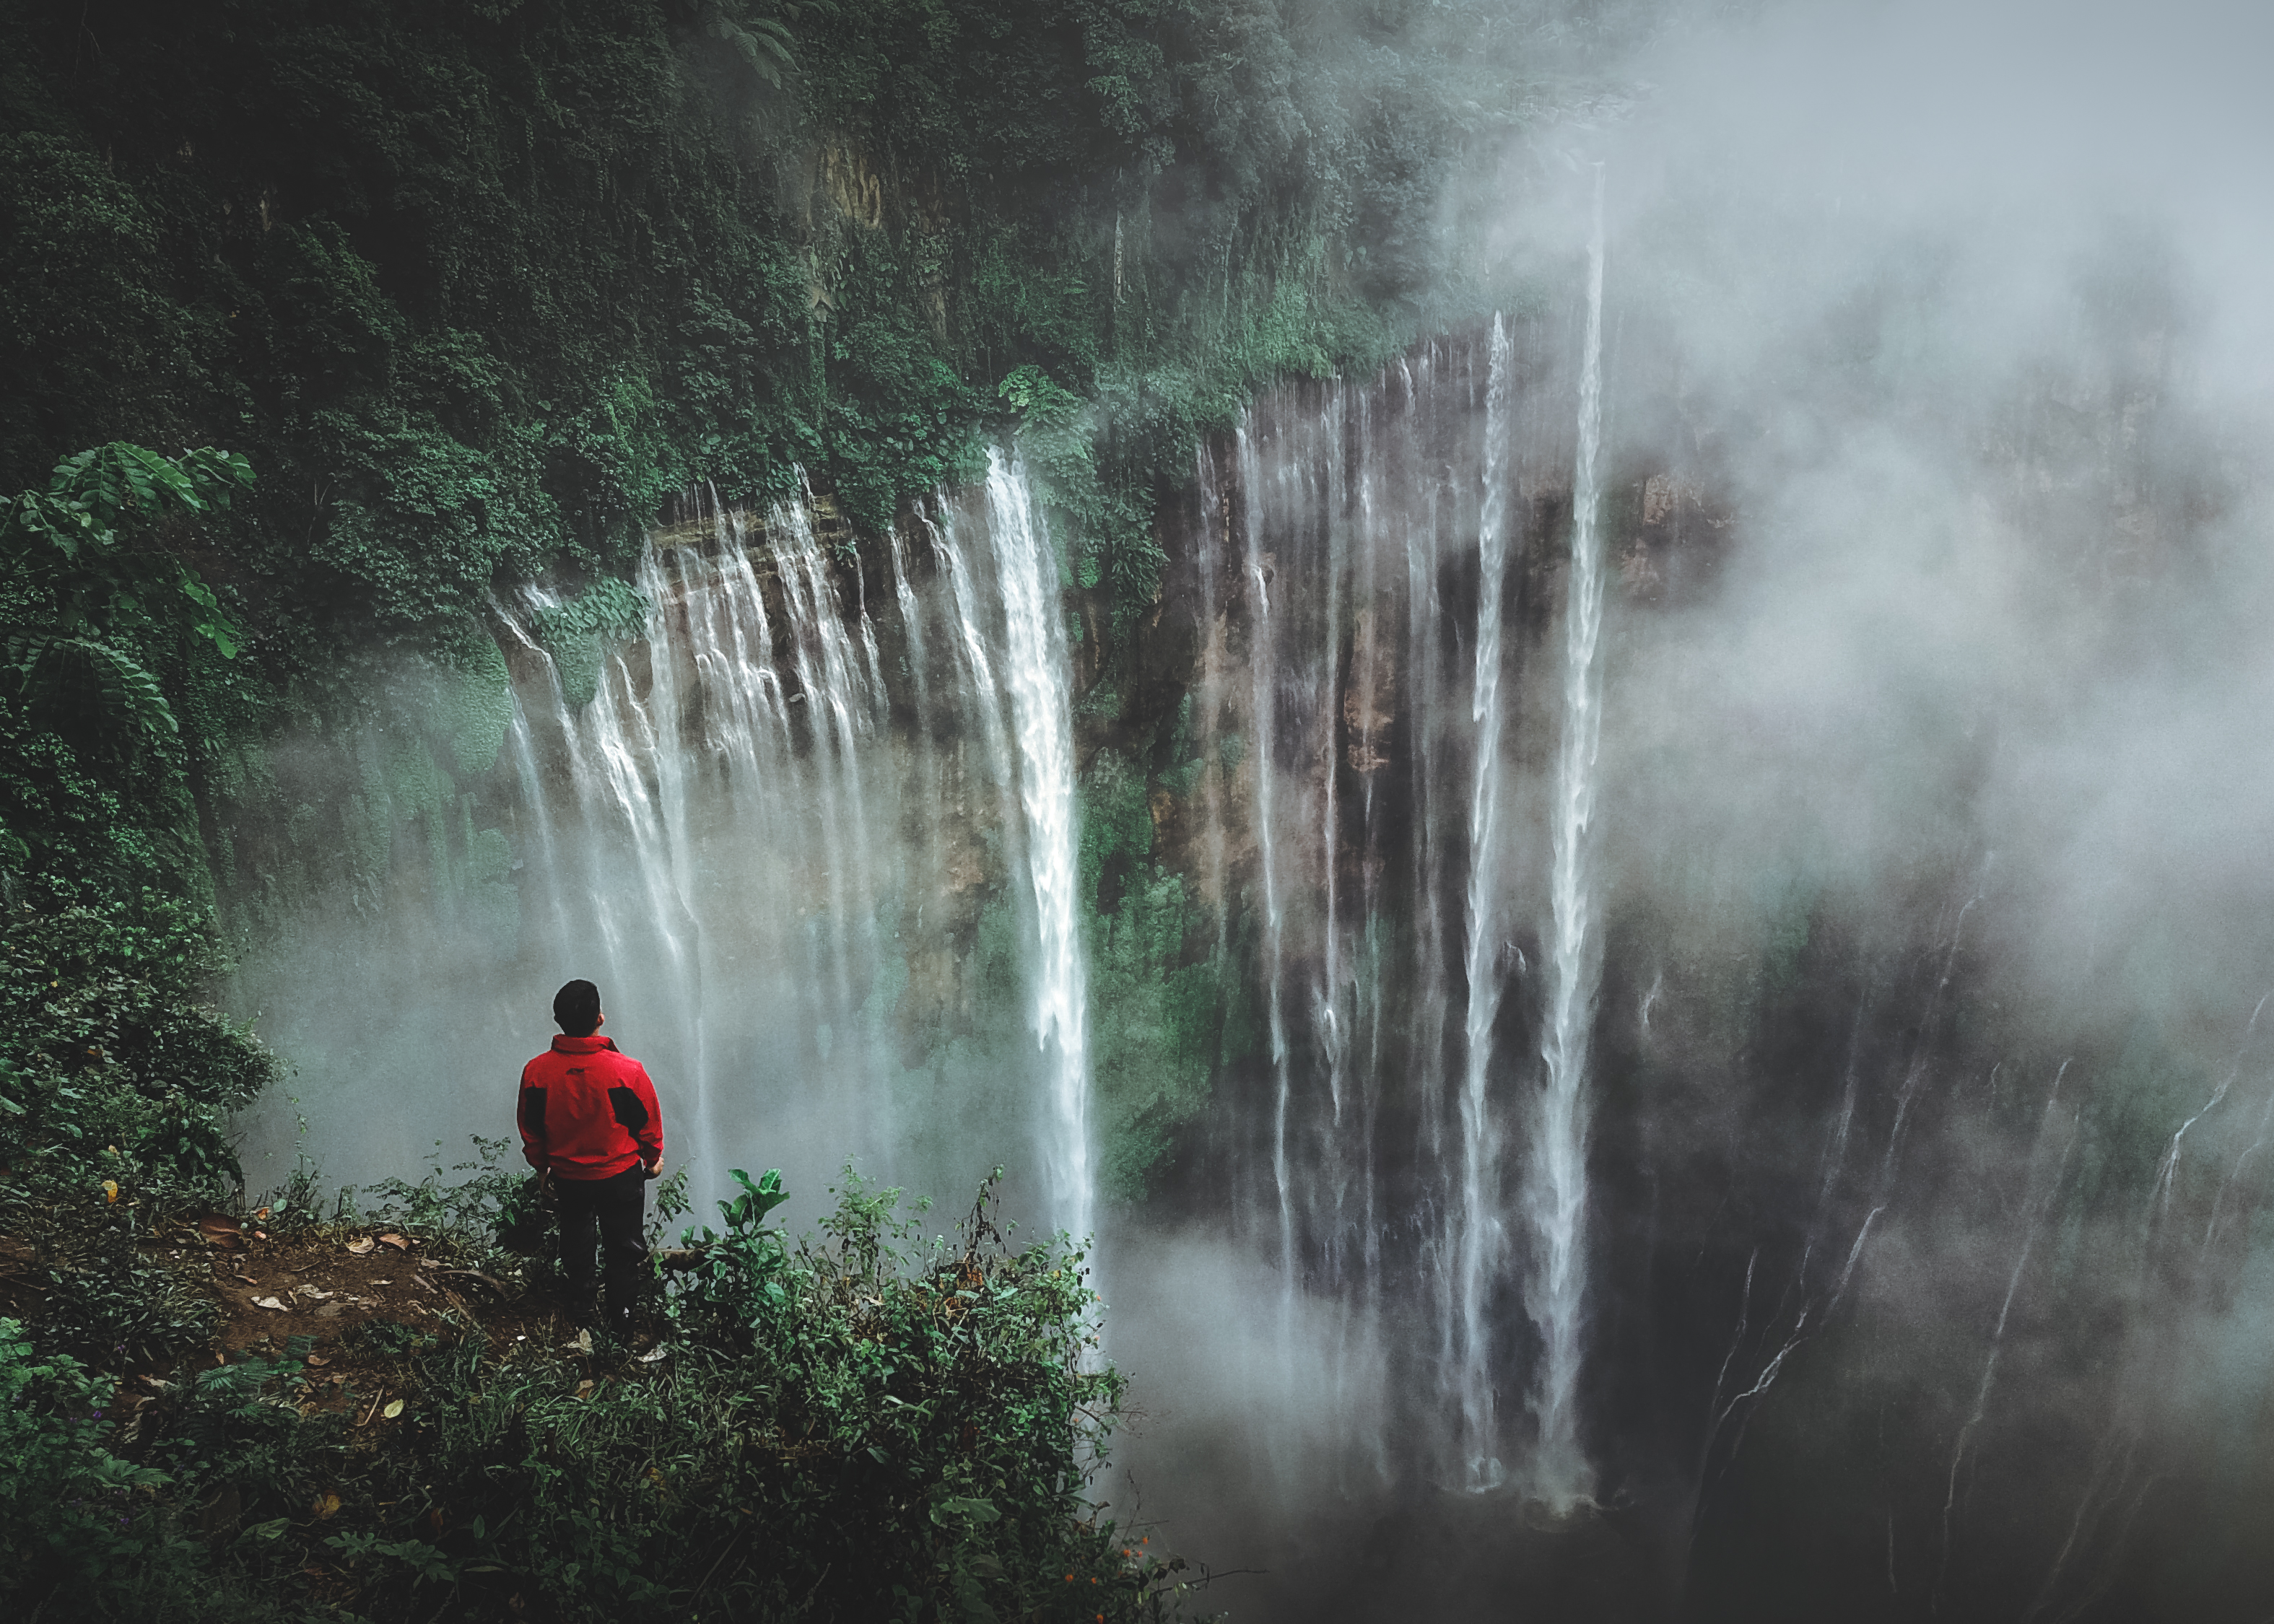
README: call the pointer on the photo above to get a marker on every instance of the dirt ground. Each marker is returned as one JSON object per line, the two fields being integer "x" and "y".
{"x": 321, "y": 1285}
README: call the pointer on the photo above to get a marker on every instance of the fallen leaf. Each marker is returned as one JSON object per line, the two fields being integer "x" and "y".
{"x": 262, "y": 1214}
{"x": 318, "y": 1360}
{"x": 395, "y": 1241}
{"x": 311, "y": 1293}
{"x": 325, "y": 1505}
{"x": 652, "y": 1355}
{"x": 382, "y": 1282}
{"x": 581, "y": 1343}
{"x": 584, "y": 1387}
{"x": 269, "y": 1303}
{"x": 393, "y": 1410}
{"x": 361, "y": 1247}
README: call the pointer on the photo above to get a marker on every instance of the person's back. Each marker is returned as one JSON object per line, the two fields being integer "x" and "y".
{"x": 591, "y": 1125}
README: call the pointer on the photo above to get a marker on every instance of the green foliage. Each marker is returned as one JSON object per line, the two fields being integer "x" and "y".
{"x": 486, "y": 1212}
{"x": 82, "y": 579}
{"x": 607, "y": 608}
{"x": 521, "y": 275}
{"x": 118, "y": 1075}
{"x": 114, "y": 1100}
{"x": 893, "y": 1430}
{"x": 1162, "y": 990}
{"x": 68, "y": 1506}
{"x": 526, "y": 281}
{"x": 99, "y": 1295}
{"x": 463, "y": 700}
{"x": 531, "y": 272}
{"x": 897, "y": 1429}
{"x": 576, "y": 634}
{"x": 109, "y": 1042}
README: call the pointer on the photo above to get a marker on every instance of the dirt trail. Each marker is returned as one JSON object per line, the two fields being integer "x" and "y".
{"x": 324, "y": 1285}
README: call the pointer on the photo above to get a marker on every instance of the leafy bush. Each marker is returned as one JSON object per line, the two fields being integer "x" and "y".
{"x": 72, "y": 1512}
{"x": 97, "y": 1296}
{"x": 861, "y": 1426}
{"x": 111, "y": 1048}
{"x": 461, "y": 1217}
{"x": 81, "y": 598}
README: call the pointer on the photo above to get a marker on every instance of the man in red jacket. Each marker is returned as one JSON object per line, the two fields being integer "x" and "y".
{"x": 590, "y": 1123}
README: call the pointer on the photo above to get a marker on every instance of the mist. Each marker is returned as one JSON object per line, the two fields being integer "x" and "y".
{"x": 1937, "y": 390}
{"x": 1928, "y": 883}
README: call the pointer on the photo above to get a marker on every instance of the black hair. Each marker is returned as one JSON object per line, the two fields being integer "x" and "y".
{"x": 576, "y": 1006}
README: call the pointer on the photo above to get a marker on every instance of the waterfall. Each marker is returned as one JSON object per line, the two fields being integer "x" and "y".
{"x": 1478, "y": 1244}
{"x": 737, "y": 839}
{"x": 1036, "y": 673}
{"x": 827, "y": 871}
{"x": 1555, "y": 1188}
{"x": 1262, "y": 664}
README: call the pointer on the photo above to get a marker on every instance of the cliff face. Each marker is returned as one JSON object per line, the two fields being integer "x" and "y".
{"x": 1859, "y": 1124}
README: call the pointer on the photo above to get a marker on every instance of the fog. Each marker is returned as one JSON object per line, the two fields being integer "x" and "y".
{"x": 1942, "y": 334}
{"x": 1930, "y": 877}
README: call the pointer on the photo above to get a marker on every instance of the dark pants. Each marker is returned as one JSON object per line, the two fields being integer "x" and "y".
{"x": 618, "y": 1206}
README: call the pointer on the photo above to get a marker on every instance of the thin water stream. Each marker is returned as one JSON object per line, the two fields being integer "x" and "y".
{"x": 1556, "y": 1186}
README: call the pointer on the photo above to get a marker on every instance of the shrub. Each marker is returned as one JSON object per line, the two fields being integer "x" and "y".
{"x": 72, "y": 1514}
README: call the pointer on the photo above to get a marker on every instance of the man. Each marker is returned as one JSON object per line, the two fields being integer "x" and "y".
{"x": 591, "y": 1127}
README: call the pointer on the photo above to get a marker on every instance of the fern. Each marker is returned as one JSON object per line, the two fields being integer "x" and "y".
{"x": 86, "y": 576}
{"x": 51, "y": 674}
{"x": 763, "y": 43}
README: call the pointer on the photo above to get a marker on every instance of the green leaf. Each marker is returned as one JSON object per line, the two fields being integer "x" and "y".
{"x": 49, "y": 669}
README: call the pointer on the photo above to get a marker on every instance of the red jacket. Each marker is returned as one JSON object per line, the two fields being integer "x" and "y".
{"x": 588, "y": 1111}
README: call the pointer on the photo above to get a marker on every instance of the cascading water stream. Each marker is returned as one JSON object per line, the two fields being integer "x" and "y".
{"x": 1555, "y": 1189}
{"x": 792, "y": 867}
{"x": 721, "y": 836}
{"x": 1262, "y": 657}
{"x": 1036, "y": 674}
{"x": 1478, "y": 1248}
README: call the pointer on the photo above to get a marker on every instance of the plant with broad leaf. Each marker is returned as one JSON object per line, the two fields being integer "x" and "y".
{"x": 90, "y": 581}
{"x": 737, "y": 1278}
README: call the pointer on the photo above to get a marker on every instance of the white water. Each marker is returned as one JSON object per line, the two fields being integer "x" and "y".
{"x": 1555, "y": 1187}
{"x": 758, "y": 845}
{"x": 736, "y": 843}
{"x": 1035, "y": 671}
{"x": 1263, "y": 669}
{"x": 771, "y": 835}
{"x": 1479, "y": 1245}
